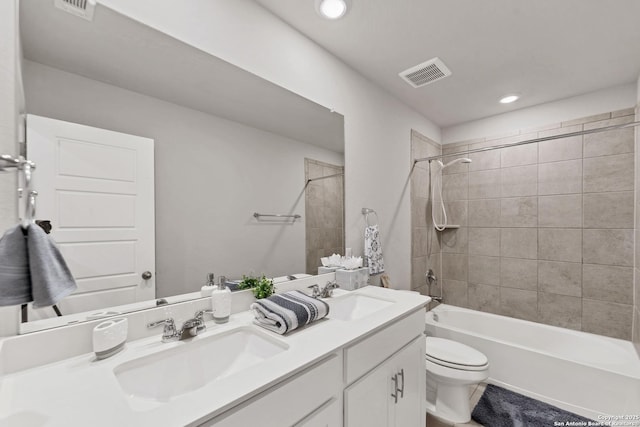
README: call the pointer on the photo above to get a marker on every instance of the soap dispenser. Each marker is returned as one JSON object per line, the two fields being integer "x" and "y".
{"x": 208, "y": 287}
{"x": 221, "y": 301}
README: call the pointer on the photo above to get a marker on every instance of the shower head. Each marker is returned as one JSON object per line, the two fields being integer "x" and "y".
{"x": 453, "y": 162}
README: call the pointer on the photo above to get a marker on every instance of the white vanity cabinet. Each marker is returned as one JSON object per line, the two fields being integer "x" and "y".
{"x": 308, "y": 399}
{"x": 393, "y": 392}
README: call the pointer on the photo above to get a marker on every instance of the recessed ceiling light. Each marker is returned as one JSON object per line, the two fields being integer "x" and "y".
{"x": 509, "y": 99}
{"x": 331, "y": 9}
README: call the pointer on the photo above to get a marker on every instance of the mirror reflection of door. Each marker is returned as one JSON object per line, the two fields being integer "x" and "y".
{"x": 97, "y": 189}
{"x": 324, "y": 209}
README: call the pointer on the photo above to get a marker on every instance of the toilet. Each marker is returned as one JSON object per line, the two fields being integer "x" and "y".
{"x": 451, "y": 368}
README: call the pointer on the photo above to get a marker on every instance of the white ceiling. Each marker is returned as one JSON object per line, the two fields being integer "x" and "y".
{"x": 544, "y": 49}
{"x": 146, "y": 61}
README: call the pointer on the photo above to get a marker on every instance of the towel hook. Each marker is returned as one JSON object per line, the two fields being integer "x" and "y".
{"x": 366, "y": 212}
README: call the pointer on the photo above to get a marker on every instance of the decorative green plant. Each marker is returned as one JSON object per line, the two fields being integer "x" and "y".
{"x": 261, "y": 287}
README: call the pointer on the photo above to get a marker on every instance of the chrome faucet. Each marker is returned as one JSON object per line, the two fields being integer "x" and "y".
{"x": 325, "y": 292}
{"x": 190, "y": 328}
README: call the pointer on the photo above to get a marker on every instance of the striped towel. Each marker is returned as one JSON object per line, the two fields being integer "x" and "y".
{"x": 285, "y": 312}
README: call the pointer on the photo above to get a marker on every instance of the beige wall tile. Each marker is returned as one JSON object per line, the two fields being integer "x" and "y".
{"x": 607, "y": 283}
{"x": 455, "y": 266}
{"x": 608, "y": 173}
{"x": 623, "y": 112}
{"x": 484, "y": 270}
{"x": 519, "y": 181}
{"x": 519, "y": 156}
{"x": 519, "y": 212}
{"x": 420, "y": 216}
{"x": 419, "y": 242}
{"x": 484, "y": 213}
{"x": 455, "y": 168}
{"x": 560, "y": 244}
{"x": 419, "y": 183}
{"x": 519, "y": 303}
{"x": 563, "y": 278}
{"x": 594, "y": 118}
{"x": 484, "y": 241}
{"x": 560, "y": 310}
{"x": 617, "y": 141}
{"x": 560, "y": 149}
{"x": 610, "y": 247}
{"x": 455, "y": 187}
{"x": 519, "y": 243}
{"x": 455, "y": 292}
{"x": 608, "y": 210}
{"x": 484, "y": 160}
{"x": 560, "y": 177}
{"x": 560, "y": 211}
{"x": 519, "y": 273}
{"x": 621, "y": 120}
{"x": 607, "y": 318}
{"x": 484, "y": 298}
{"x": 455, "y": 240}
{"x": 457, "y": 212}
{"x": 418, "y": 271}
{"x": 484, "y": 184}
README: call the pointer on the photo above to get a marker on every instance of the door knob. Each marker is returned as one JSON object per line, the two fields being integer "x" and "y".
{"x": 147, "y": 275}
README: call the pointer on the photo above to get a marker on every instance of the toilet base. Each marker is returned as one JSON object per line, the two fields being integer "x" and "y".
{"x": 452, "y": 403}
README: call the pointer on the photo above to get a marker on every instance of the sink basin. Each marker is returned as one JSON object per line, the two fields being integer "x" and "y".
{"x": 165, "y": 375}
{"x": 354, "y": 306}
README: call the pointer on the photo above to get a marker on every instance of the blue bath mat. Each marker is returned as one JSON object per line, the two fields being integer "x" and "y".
{"x": 499, "y": 407}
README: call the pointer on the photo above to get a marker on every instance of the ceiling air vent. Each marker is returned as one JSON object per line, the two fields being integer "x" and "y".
{"x": 425, "y": 73}
{"x": 82, "y": 8}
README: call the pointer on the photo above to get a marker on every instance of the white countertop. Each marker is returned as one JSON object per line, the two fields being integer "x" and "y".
{"x": 81, "y": 391}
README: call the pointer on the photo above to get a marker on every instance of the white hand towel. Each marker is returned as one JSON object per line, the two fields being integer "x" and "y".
{"x": 373, "y": 249}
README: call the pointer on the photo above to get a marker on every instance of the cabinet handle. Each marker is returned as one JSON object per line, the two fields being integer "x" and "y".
{"x": 395, "y": 388}
{"x": 401, "y": 373}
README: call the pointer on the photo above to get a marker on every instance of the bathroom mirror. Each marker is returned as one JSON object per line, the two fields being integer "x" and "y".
{"x": 227, "y": 144}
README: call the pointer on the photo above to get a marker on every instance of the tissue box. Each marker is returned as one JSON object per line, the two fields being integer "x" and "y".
{"x": 325, "y": 270}
{"x": 352, "y": 279}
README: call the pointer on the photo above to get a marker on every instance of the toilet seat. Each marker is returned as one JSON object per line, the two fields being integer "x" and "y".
{"x": 454, "y": 355}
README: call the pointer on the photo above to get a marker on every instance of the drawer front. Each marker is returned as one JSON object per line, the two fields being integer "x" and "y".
{"x": 365, "y": 355}
{"x": 328, "y": 415}
{"x": 287, "y": 403}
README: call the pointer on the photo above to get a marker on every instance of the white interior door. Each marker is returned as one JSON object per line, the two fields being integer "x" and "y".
{"x": 97, "y": 188}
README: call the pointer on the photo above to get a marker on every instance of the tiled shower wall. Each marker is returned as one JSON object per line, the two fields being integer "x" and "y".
{"x": 546, "y": 229}
{"x": 324, "y": 209}
{"x": 425, "y": 245}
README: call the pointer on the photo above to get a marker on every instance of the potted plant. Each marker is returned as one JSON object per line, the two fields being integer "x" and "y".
{"x": 260, "y": 286}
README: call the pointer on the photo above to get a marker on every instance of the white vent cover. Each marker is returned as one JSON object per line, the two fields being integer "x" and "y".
{"x": 82, "y": 8}
{"x": 425, "y": 73}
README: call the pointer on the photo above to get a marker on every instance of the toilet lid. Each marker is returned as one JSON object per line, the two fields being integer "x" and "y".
{"x": 452, "y": 353}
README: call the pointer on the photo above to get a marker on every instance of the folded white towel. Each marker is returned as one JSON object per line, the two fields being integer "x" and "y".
{"x": 285, "y": 312}
{"x": 373, "y": 249}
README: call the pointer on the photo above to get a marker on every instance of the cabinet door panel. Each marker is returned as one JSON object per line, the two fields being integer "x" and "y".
{"x": 328, "y": 415}
{"x": 367, "y": 402}
{"x": 409, "y": 411}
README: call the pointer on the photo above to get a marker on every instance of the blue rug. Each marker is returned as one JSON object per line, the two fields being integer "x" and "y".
{"x": 499, "y": 407}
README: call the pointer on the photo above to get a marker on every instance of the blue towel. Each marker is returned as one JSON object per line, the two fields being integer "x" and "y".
{"x": 285, "y": 312}
{"x": 32, "y": 269}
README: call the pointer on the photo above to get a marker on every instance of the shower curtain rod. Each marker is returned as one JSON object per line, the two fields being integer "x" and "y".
{"x": 529, "y": 141}
{"x": 325, "y": 177}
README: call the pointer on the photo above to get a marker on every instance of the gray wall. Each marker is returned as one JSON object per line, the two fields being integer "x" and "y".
{"x": 548, "y": 228}
{"x": 211, "y": 175}
{"x": 636, "y": 276}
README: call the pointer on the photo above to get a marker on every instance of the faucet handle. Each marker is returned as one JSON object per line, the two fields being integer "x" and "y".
{"x": 199, "y": 317}
{"x": 169, "y": 332}
{"x": 315, "y": 290}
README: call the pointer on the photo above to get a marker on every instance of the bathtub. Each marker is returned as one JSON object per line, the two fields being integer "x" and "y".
{"x": 587, "y": 374}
